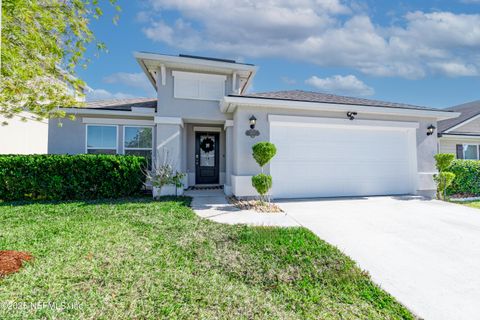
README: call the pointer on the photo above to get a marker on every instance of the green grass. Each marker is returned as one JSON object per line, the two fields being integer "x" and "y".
{"x": 473, "y": 204}
{"x": 139, "y": 259}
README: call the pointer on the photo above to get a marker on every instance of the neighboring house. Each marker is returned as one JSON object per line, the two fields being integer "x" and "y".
{"x": 461, "y": 135}
{"x": 327, "y": 145}
{"x": 23, "y": 137}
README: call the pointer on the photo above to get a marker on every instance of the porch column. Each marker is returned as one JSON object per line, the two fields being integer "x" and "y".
{"x": 228, "y": 156}
{"x": 169, "y": 141}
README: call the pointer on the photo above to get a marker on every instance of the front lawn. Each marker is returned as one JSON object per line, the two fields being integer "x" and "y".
{"x": 141, "y": 259}
{"x": 473, "y": 204}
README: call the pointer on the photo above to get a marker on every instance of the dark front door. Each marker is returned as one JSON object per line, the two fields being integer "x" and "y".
{"x": 206, "y": 158}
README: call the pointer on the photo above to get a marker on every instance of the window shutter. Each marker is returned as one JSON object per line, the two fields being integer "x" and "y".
{"x": 459, "y": 151}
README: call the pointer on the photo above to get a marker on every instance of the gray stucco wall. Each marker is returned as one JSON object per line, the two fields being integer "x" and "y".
{"x": 189, "y": 109}
{"x": 70, "y": 138}
{"x": 67, "y": 139}
{"x": 244, "y": 165}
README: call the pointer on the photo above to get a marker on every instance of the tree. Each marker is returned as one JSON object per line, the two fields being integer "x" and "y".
{"x": 43, "y": 42}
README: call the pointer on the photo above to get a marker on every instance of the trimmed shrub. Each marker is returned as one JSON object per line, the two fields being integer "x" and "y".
{"x": 64, "y": 177}
{"x": 443, "y": 180}
{"x": 467, "y": 177}
{"x": 443, "y": 161}
{"x": 262, "y": 183}
{"x": 263, "y": 152}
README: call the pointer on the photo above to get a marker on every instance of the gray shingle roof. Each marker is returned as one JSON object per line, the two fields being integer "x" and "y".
{"x": 467, "y": 111}
{"x": 310, "y": 96}
{"x": 122, "y": 104}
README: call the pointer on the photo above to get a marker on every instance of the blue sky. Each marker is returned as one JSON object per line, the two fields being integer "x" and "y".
{"x": 418, "y": 52}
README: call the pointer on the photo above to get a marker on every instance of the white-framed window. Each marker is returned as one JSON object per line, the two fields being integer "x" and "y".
{"x": 138, "y": 141}
{"x": 202, "y": 86}
{"x": 470, "y": 151}
{"x": 101, "y": 139}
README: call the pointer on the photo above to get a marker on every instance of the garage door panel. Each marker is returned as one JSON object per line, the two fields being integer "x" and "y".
{"x": 331, "y": 161}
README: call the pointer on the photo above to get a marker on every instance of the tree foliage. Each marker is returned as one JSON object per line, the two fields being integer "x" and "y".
{"x": 43, "y": 42}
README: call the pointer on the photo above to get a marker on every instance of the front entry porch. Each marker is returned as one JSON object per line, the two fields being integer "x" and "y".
{"x": 201, "y": 150}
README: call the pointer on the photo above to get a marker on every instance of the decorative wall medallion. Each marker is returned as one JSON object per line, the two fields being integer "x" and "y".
{"x": 252, "y": 133}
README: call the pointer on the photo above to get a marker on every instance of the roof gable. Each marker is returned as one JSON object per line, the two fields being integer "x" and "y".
{"x": 467, "y": 112}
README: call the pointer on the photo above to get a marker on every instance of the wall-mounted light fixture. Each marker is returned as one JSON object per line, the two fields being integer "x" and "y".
{"x": 252, "y": 133}
{"x": 351, "y": 115}
{"x": 430, "y": 130}
{"x": 253, "y": 122}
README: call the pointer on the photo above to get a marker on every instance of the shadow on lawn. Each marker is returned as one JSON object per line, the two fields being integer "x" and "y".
{"x": 89, "y": 202}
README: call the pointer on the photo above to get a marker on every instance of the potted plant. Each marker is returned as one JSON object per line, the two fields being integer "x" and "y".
{"x": 165, "y": 181}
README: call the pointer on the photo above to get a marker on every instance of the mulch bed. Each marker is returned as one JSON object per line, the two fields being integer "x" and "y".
{"x": 11, "y": 261}
{"x": 255, "y": 205}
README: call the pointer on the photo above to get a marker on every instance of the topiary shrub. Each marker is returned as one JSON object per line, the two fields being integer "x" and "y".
{"x": 444, "y": 178}
{"x": 65, "y": 177}
{"x": 263, "y": 152}
{"x": 262, "y": 183}
{"x": 467, "y": 177}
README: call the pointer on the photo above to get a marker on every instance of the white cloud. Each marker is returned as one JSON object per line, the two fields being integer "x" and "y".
{"x": 102, "y": 94}
{"x": 346, "y": 85}
{"x": 327, "y": 33}
{"x": 134, "y": 80}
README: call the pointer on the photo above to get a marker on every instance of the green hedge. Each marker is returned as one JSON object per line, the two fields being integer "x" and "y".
{"x": 467, "y": 177}
{"x": 63, "y": 177}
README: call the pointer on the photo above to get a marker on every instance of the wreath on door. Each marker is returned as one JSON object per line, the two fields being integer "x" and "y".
{"x": 207, "y": 145}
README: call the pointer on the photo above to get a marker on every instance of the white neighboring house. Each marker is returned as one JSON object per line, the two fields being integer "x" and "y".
{"x": 461, "y": 136}
{"x": 328, "y": 145}
{"x": 23, "y": 137}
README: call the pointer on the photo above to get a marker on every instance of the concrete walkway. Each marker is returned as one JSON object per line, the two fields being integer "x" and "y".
{"x": 212, "y": 205}
{"x": 426, "y": 253}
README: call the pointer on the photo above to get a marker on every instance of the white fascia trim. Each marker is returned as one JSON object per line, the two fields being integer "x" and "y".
{"x": 462, "y": 123}
{"x": 143, "y": 110}
{"x": 198, "y": 76}
{"x": 228, "y": 123}
{"x": 116, "y": 121}
{"x": 228, "y": 104}
{"x": 207, "y": 129}
{"x": 192, "y": 61}
{"x": 320, "y": 121}
{"x": 446, "y": 136}
{"x": 169, "y": 120}
{"x": 104, "y": 112}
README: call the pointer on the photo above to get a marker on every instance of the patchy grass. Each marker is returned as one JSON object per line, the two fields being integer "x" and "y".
{"x": 473, "y": 204}
{"x": 139, "y": 259}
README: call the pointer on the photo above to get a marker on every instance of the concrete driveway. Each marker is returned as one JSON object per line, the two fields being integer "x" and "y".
{"x": 425, "y": 253}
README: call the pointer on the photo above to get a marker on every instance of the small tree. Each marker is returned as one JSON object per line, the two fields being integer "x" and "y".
{"x": 444, "y": 178}
{"x": 263, "y": 152}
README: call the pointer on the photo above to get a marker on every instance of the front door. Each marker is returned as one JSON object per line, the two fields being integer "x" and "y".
{"x": 207, "y": 147}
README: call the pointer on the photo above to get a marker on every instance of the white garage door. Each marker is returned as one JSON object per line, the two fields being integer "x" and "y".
{"x": 335, "y": 157}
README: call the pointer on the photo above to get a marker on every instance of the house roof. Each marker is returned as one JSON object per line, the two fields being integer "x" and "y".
{"x": 311, "y": 96}
{"x": 121, "y": 104}
{"x": 467, "y": 111}
{"x": 151, "y": 63}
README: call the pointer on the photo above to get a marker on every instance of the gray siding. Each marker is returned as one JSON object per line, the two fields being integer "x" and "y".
{"x": 449, "y": 145}
{"x": 470, "y": 127}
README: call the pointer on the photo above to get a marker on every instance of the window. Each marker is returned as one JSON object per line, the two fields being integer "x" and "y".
{"x": 138, "y": 141}
{"x": 101, "y": 139}
{"x": 190, "y": 85}
{"x": 470, "y": 151}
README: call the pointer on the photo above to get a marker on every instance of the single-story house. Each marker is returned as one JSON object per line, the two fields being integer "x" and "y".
{"x": 461, "y": 135}
{"x": 205, "y": 122}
